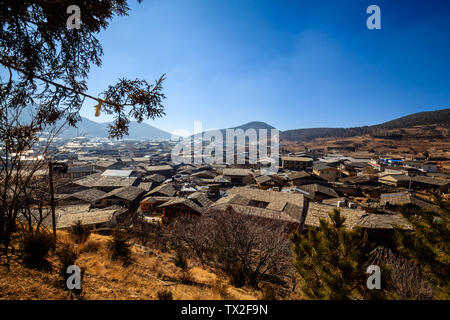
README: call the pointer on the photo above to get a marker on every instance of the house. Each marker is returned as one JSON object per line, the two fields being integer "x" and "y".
{"x": 357, "y": 186}
{"x": 68, "y": 216}
{"x": 266, "y": 182}
{"x": 326, "y": 172}
{"x": 295, "y": 163}
{"x": 155, "y": 178}
{"x": 149, "y": 204}
{"x": 164, "y": 170}
{"x": 125, "y": 197}
{"x": 194, "y": 205}
{"x": 358, "y": 181}
{"x": 103, "y": 165}
{"x": 164, "y": 190}
{"x": 380, "y": 226}
{"x": 201, "y": 199}
{"x": 396, "y": 180}
{"x": 146, "y": 186}
{"x": 272, "y": 205}
{"x": 429, "y": 183}
{"x": 318, "y": 192}
{"x": 91, "y": 196}
{"x": 105, "y": 183}
{"x": 426, "y": 166}
{"x": 75, "y": 172}
{"x": 393, "y": 170}
{"x": 302, "y": 177}
{"x": 397, "y": 198}
{"x": 318, "y": 211}
{"x": 180, "y": 207}
{"x": 238, "y": 177}
{"x": 336, "y": 202}
{"x": 204, "y": 174}
{"x": 388, "y": 200}
{"x": 120, "y": 173}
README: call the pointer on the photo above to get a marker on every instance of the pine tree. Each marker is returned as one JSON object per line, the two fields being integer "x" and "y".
{"x": 331, "y": 260}
{"x": 428, "y": 244}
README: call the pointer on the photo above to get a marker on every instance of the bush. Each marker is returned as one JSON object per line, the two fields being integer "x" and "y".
{"x": 90, "y": 246}
{"x": 67, "y": 256}
{"x": 220, "y": 286}
{"x": 238, "y": 276}
{"x": 119, "y": 247}
{"x": 80, "y": 233}
{"x": 35, "y": 248}
{"x": 247, "y": 249}
{"x": 331, "y": 260}
{"x": 268, "y": 292}
{"x": 186, "y": 277}
{"x": 165, "y": 295}
{"x": 180, "y": 261}
{"x": 405, "y": 281}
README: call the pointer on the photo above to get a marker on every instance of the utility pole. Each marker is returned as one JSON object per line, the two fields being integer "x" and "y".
{"x": 52, "y": 201}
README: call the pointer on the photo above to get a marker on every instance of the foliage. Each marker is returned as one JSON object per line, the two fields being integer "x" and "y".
{"x": 165, "y": 295}
{"x": 80, "y": 233}
{"x": 405, "y": 280}
{"x": 142, "y": 230}
{"x": 120, "y": 248}
{"x": 90, "y": 246}
{"x": 49, "y": 64}
{"x": 268, "y": 292}
{"x": 246, "y": 248}
{"x": 67, "y": 256}
{"x": 35, "y": 248}
{"x": 44, "y": 68}
{"x": 331, "y": 260}
{"x": 428, "y": 245}
{"x": 180, "y": 261}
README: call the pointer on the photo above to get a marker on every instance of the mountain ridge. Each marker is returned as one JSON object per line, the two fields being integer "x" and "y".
{"x": 138, "y": 131}
{"x": 146, "y": 131}
{"x": 437, "y": 117}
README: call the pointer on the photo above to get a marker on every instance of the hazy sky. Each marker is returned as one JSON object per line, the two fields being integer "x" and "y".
{"x": 292, "y": 64}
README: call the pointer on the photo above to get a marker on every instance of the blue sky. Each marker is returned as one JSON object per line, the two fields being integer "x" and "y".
{"x": 292, "y": 64}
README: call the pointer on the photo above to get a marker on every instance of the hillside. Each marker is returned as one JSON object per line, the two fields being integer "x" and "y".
{"x": 413, "y": 142}
{"x": 439, "y": 117}
{"x": 151, "y": 271}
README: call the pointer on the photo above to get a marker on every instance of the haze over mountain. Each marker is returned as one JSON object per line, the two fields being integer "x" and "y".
{"x": 138, "y": 131}
{"x": 145, "y": 131}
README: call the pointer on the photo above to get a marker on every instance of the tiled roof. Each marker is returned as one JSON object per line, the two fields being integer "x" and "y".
{"x": 97, "y": 180}
{"x": 129, "y": 193}
{"x": 236, "y": 172}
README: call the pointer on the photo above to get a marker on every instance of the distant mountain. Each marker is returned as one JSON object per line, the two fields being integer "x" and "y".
{"x": 257, "y": 125}
{"x": 254, "y": 125}
{"x": 417, "y": 119}
{"x": 138, "y": 131}
{"x": 439, "y": 117}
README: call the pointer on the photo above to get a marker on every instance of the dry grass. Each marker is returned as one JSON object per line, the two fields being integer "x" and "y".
{"x": 106, "y": 279}
{"x": 417, "y": 140}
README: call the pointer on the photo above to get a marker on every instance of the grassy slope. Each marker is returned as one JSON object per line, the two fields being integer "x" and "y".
{"x": 105, "y": 279}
